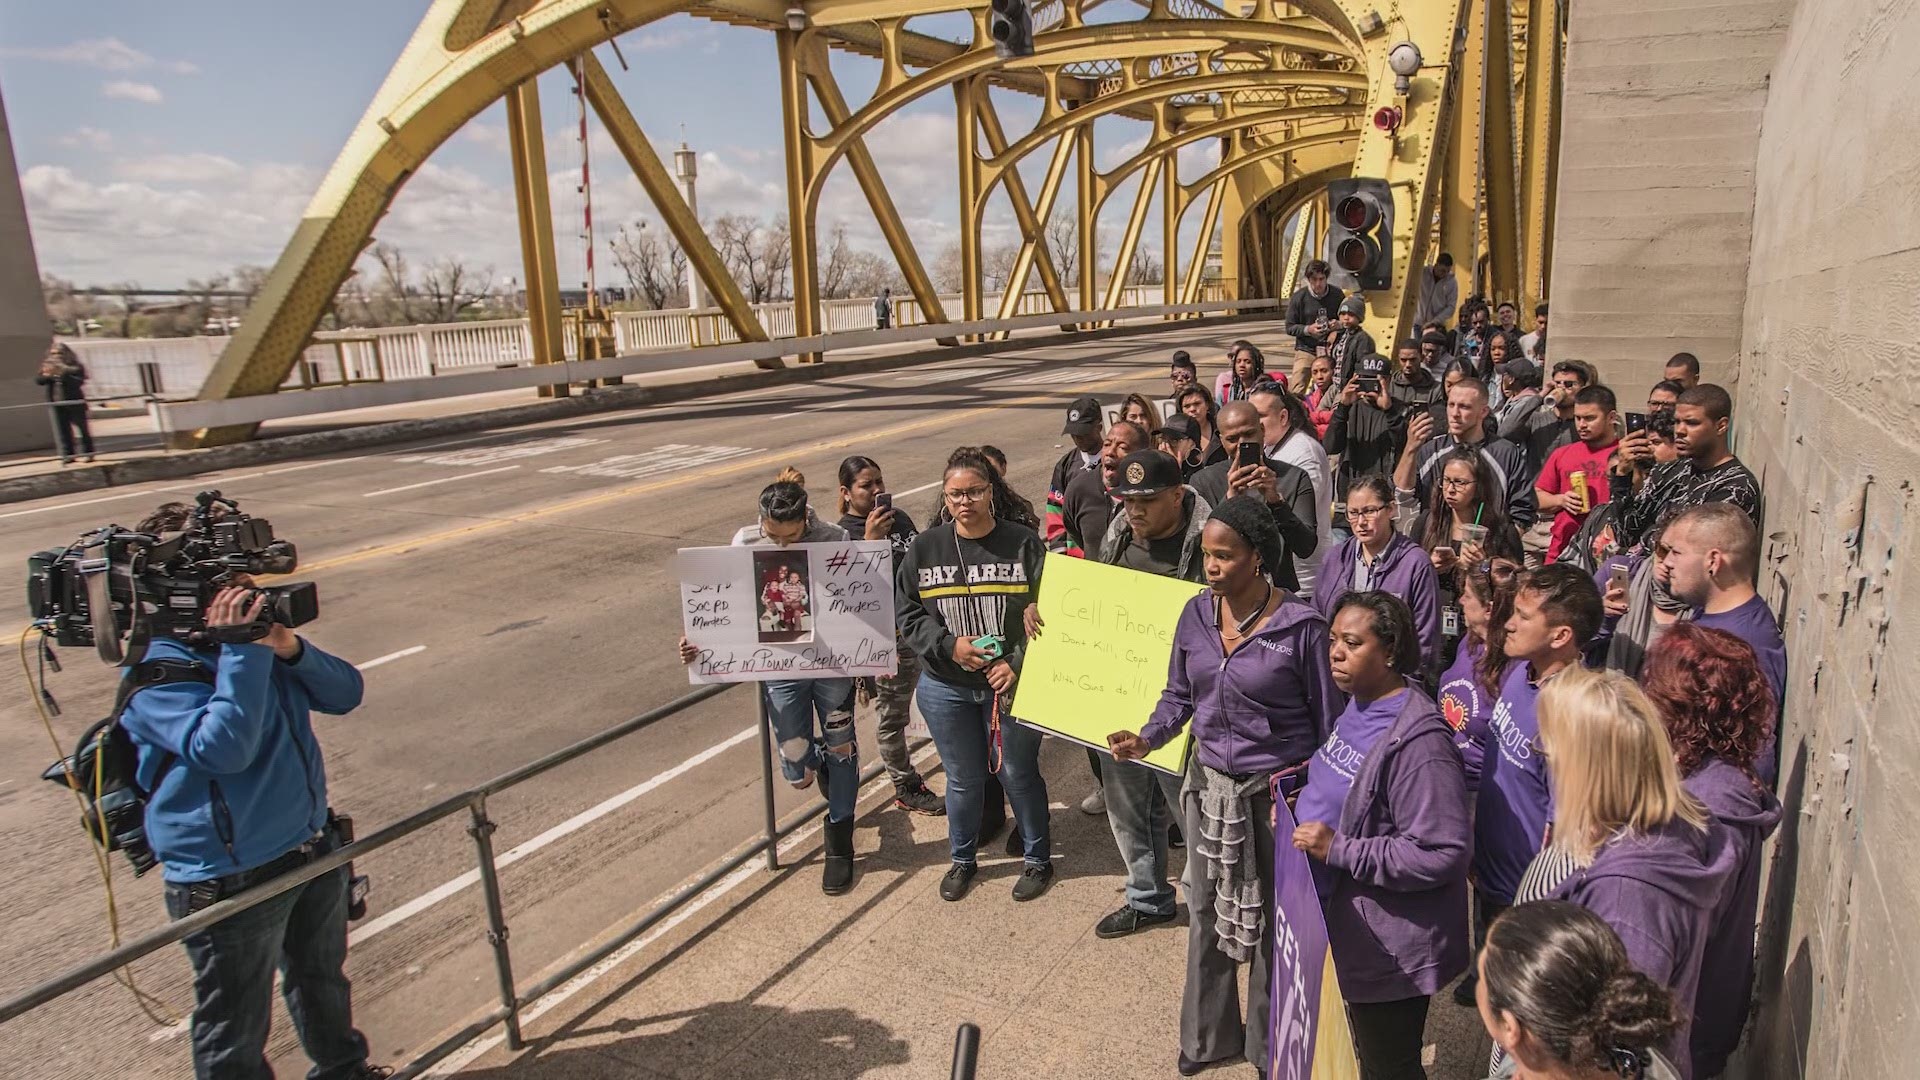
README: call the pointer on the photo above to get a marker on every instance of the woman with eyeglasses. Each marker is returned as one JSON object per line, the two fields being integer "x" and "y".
{"x": 1563, "y": 1000}
{"x": 1385, "y": 819}
{"x": 1470, "y": 686}
{"x": 1199, "y": 405}
{"x": 793, "y": 705}
{"x": 959, "y": 596}
{"x": 1642, "y": 856}
{"x": 1376, "y": 556}
{"x": 1249, "y": 672}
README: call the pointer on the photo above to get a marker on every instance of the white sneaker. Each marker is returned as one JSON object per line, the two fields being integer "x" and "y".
{"x": 1095, "y": 803}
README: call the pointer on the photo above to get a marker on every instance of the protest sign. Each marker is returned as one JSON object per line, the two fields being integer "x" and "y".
{"x": 806, "y": 611}
{"x": 1100, "y": 662}
{"x": 1307, "y": 1033}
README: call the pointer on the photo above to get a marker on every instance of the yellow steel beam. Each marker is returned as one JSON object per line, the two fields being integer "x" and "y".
{"x": 1197, "y": 263}
{"x": 1298, "y": 249}
{"x": 1540, "y": 149}
{"x": 1032, "y": 228}
{"x": 430, "y": 92}
{"x": 1136, "y": 220}
{"x": 967, "y": 125}
{"x": 634, "y": 145}
{"x": 528, "y": 141}
{"x": 793, "y": 125}
{"x": 1088, "y": 229}
{"x": 1171, "y": 208}
{"x": 1502, "y": 179}
{"x": 833, "y": 105}
{"x": 1035, "y": 244}
{"x": 1460, "y": 210}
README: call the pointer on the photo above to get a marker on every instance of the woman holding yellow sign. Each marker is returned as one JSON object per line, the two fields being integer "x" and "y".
{"x": 1249, "y": 668}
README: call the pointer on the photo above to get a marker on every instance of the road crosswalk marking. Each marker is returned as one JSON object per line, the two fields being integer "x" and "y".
{"x": 491, "y": 455}
{"x": 672, "y": 457}
{"x": 1054, "y": 377}
{"x": 928, "y": 378}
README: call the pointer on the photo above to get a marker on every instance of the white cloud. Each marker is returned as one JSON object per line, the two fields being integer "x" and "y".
{"x": 129, "y": 90}
{"x": 655, "y": 40}
{"x": 178, "y": 168}
{"x": 105, "y": 54}
{"x": 491, "y": 136}
{"x": 86, "y": 138}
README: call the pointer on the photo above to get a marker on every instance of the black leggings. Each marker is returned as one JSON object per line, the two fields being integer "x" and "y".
{"x": 1388, "y": 1036}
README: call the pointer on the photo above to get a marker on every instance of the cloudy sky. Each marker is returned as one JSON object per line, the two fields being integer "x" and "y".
{"x": 163, "y": 142}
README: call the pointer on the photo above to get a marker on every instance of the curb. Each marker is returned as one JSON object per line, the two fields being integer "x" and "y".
{"x": 166, "y": 466}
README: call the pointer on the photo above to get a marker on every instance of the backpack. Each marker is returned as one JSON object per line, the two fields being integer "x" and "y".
{"x": 105, "y": 766}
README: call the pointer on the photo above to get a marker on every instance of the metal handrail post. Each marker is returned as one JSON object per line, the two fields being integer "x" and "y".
{"x": 482, "y": 832}
{"x": 966, "y": 1051}
{"x": 766, "y": 773}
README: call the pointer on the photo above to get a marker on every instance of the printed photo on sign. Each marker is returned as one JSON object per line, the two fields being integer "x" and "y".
{"x": 786, "y": 596}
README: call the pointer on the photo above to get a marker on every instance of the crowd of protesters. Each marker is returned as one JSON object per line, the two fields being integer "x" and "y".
{"x": 1435, "y": 580}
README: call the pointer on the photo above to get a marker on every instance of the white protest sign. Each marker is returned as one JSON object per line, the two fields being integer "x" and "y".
{"x": 806, "y": 611}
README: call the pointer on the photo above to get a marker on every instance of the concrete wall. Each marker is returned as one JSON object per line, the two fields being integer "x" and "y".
{"x": 1829, "y": 417}
{"x": 24, "y": 332}
{"x": 1660, "y": 119}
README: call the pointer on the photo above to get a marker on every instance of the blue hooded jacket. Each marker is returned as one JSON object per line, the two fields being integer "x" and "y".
{"x": 248, "y": 784}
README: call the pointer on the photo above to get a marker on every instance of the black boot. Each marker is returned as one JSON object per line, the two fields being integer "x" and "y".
{"x": 838, "y": 875}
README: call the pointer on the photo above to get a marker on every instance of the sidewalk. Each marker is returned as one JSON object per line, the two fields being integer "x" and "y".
{"x": 778, "y": 980}
{"x": 130, "y": 451}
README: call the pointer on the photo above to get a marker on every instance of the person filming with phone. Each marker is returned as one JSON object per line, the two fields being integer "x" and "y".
{"x": 238, "y": 796}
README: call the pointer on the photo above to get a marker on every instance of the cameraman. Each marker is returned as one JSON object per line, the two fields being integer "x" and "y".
{"x": 239, "y": 796}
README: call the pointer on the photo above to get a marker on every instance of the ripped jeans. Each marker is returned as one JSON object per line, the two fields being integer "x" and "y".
{"x": 792, "y": 705}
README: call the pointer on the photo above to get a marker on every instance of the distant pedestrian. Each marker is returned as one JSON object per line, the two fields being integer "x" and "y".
{"x": 883, "y": 309}
{"x": 1439, "y": 292}
{"x": 65, "y": 378}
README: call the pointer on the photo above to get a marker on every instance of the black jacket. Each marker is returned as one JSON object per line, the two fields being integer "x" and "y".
{"x": 1508, "y": 462}
{"x": 1301, "y": 310}
{"x": 1295, "y": 514}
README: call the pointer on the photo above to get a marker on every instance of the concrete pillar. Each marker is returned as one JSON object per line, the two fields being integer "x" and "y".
{"x": 686, "y": 170}
{"x": 24, "y": 330}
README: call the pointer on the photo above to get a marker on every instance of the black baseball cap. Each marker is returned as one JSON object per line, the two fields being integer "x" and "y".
{"x": 1146, "y": 472}
{"x": 1181, "y": 426}
{"x": 1521, "y": 371}
{"x": 1083, "y": 417}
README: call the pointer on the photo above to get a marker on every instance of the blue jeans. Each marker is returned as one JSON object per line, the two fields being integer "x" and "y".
{"x": 304, "y": 934}
{"x": 1141, "y": 803}
{"x": 958, "y": 717}
{"x": 792, "y": 705}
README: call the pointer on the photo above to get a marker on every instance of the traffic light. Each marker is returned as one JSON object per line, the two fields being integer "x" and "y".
{"x": 1360, "y": 239}
{"x": 1011, "y": 25}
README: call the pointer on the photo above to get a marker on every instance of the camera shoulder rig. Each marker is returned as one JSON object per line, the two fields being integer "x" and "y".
{"x": 104, "y": 768}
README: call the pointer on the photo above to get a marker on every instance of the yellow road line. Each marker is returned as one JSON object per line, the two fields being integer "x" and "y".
{"x": 738, "y": 465}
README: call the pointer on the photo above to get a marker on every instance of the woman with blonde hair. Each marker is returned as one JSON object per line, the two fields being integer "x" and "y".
{"x": 1137, "y": 409}
{"x": 1641, "y": 852}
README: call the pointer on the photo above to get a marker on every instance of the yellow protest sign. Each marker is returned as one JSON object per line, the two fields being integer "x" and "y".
{"x": 1100, "y": 663}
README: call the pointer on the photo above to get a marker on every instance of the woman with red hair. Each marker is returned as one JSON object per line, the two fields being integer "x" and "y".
{"x": 1719, "y": 711}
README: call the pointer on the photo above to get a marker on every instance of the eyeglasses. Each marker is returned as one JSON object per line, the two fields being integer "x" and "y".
{"x": 1356, "y": 513}
{"x": 1451, "y": 482}
{"x": 970, "y": 495}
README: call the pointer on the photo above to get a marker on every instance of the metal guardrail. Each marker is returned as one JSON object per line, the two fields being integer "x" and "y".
{"x": 480, "y": 827}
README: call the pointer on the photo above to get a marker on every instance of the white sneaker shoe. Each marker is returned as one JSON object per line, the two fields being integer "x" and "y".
{"x": 1095, "y": 803}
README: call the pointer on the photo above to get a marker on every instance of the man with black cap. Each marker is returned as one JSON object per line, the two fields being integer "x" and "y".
{"x": 1084, "y": 428}
{"x": 1350, "y": 342}
{"x": 1158, "y": 533}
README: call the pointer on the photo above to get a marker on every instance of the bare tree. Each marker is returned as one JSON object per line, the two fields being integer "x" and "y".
{"x": 448, "y": 287}
{"x": 836, "y": 265}
{"x": 655, "y": 267}
{"x": 1062, "y": 235}
{"x": 393, "y": 295}
{"x": 758, "y": 254}
{"x": 1145, "y": 269}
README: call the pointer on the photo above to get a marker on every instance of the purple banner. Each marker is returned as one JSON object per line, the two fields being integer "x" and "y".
{"x": 1307, "y": 1034}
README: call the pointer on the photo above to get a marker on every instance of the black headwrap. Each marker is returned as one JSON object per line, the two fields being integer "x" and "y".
{"x": 1249, "y": 517}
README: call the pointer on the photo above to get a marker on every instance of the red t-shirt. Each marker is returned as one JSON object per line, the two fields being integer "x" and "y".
{"x": 1563, "y": 463}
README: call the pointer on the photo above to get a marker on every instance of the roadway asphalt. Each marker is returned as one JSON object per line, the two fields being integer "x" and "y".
{"x": 516, "y": 591}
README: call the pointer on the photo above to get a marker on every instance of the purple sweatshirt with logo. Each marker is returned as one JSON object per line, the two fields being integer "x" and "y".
{"x": 1747, "y": 813}
{"x": 1403, "y": 569}
{"x": 1263, "y": 709}
{"x": 1397, "y": 913}
{"x": 1515, "y": 803}
{"x": 1659, "y": 891}
{"x": 1467, "y": 708}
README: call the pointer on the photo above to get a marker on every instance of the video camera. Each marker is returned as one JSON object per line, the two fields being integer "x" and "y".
{"x": 112, "y": 584}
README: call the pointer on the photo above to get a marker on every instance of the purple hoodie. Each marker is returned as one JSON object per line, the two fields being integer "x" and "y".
{"x": 1748, "y": 814}
{"x": 1753, "y": 623}
{"x": 1404, "y": 569}
{"x": 1267, "y": 707}
{"x": 1467, "y": 708}
{"x": 1397, "y": 915}
{"x": 1659, "y": 891}
{"x": 1515, "y": 803}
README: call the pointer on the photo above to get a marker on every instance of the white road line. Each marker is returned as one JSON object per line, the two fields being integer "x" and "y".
{"x": 83, "y": 502}
{"x": 185, "y": 481}
{"x": 418, "y": 904}
{"x": 465, "y": 1056}
{"x": 442, "y": 480}
{"x": 452, "y": 442}
{"x": 390, "y": 657}
{"x": 916, "y": 491}
{"x": 276, "y": 472}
